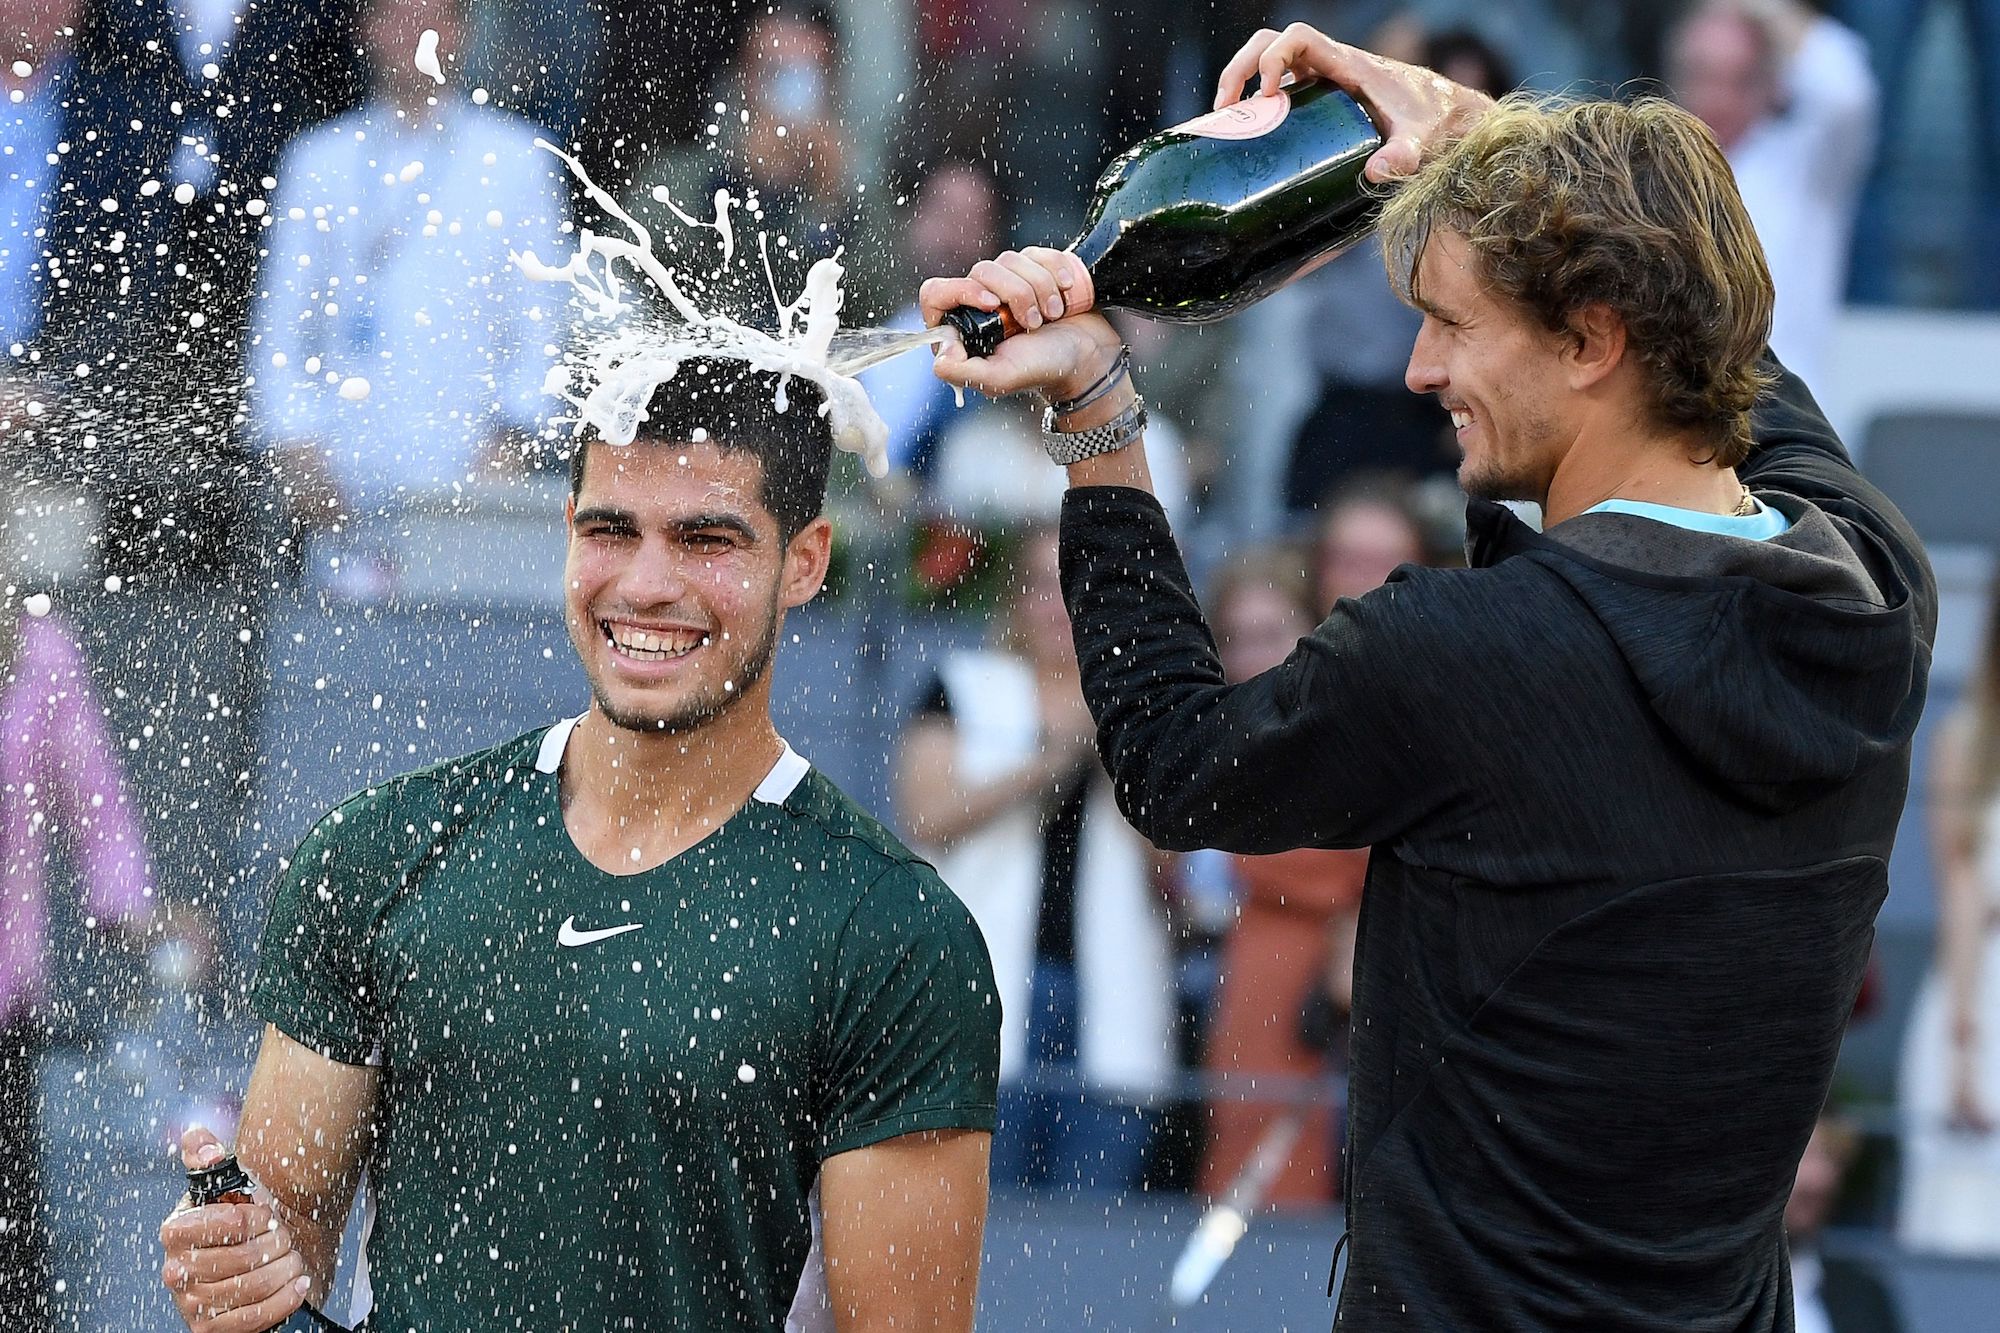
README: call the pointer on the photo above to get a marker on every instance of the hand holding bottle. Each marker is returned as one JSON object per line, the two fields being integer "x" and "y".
{"x": 232, "y": 1266}
{"x": 1064, "y": 346}
{"x": 1414, "y": 107}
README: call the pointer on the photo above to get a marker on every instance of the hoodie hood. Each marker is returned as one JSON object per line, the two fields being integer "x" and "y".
{"x": 1782, "y": 667}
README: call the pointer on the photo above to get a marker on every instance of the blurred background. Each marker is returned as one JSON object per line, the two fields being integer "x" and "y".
{"x": 283, "y": 517}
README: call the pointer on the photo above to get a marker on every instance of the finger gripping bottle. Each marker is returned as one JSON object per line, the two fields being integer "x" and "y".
{"x": 228, "y": 1182}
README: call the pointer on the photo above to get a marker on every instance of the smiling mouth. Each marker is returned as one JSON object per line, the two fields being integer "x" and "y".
{"x": 650, "y": 645}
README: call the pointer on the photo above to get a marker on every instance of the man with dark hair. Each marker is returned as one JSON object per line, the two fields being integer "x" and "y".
{"x": 1630, "y": 781}
{"x": 605, "y": 1009}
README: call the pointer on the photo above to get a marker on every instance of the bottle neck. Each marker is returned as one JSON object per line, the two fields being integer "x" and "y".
{"x": 1092, "y": 246}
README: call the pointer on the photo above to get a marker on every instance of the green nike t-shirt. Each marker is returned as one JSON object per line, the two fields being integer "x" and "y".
{"x": 605, "y": 1098}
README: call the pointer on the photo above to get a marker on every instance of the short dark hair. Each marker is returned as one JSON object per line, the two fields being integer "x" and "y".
{"x": 734, "y": 407}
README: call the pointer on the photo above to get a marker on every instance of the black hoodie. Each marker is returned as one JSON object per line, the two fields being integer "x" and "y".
{"x": 1631, "y": 792}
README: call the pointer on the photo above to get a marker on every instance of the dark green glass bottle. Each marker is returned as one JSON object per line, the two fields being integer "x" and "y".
{"x": 1213, "y": 215}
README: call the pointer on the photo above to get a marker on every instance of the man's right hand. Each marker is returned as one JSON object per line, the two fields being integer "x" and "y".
{"x": 1414, "y": 107}
{"x": 232, "y": 1267}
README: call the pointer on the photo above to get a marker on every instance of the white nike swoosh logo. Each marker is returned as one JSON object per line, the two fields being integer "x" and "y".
{"x": 569, "y": 936}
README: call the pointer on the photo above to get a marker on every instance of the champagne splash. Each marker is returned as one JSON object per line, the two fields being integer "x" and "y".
{"x": 426, "y": 59}
{"x": 625, "y": 353}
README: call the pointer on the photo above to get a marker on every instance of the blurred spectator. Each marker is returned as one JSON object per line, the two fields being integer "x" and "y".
{"x": 1364, "y": 417}
{"x": 1830, "y": 1295}
{"x": 955, "y": 221}
{"x": 651, "y": 86}
{"x": 141, "y": 152}
{"x": 1791, "y": 99}
{"x": 132, "y": 248}
{"x": 397, "y": 343}
{"x": 1463, "y": 56}
{"x": 1187, "y": 370}
{"x": 541, "y": 62}
{"x": 1950, "y": 1084}
{"x": 44, "y": 107}
{"x": 992, "y": 469}
{"x": 1370, "y": 528}
{"x": 778, "y": 145}
{"x": 998, "y": 778}
{"x": 1890, "y": 27}
{"x": 1296, "y": 921}
{"x": 148, "y": 99}
{"x": 59, "y": 779}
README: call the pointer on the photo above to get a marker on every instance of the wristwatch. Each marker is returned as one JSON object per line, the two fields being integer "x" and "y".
{"x": 1073, "y": 446}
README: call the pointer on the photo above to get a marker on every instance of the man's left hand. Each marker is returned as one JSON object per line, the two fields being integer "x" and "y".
{"x": 1063, "y": 347}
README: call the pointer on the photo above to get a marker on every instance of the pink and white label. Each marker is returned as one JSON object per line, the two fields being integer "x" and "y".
{"x": 1246, "y": 119}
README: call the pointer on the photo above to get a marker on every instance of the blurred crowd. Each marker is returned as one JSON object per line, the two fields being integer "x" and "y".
{"x": 260, "y": 310}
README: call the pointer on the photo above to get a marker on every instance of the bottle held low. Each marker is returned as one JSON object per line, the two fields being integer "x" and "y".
{"x": 1201, "y": 220}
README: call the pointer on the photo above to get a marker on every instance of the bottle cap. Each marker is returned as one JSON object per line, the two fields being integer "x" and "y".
{"x": 980, "y": 330}
{"x": 209, "y": 1184}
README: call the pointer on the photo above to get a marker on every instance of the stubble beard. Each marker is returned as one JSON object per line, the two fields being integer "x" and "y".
{"x": 1491, "y": 478}
{"x": 709, "y": 705}
{"x": 1490, "y": 483}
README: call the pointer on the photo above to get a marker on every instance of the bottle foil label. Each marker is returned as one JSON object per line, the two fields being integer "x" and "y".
{"x": 1247, "y": 119}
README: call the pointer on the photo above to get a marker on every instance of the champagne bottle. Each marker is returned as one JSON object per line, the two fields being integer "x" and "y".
{"x": 1201, "y": 220}
{"x": 228, "y": 1182}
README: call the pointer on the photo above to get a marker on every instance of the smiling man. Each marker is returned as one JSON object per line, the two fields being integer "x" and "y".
{"x": 1631, "y": 781}
{"x": 601, "y": 1010}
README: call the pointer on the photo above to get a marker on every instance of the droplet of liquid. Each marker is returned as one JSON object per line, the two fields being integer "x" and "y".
{"x": 427, "y": 55}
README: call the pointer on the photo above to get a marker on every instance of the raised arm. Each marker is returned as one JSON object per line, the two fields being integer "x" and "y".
{"x": 901, "y": 1223}
{"x": 305, "y": 1134}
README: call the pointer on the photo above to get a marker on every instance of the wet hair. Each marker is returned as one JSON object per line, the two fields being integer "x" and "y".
{"x": 1566, "y": 204}
{"x": 733, "y": 408}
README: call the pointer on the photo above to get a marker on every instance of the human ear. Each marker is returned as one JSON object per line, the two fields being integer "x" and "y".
{"x": 806, "y": 559}
{"x": 1595, "y": 346}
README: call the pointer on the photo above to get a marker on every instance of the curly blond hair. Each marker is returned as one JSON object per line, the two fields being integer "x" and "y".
{"x": 1571, "y": 203}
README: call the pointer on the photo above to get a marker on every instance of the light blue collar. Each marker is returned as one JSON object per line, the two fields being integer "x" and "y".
{"x": 1763, "y": 525}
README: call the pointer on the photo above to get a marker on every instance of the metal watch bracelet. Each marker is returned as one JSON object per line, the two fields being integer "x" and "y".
{"x": 1073, "y": 446}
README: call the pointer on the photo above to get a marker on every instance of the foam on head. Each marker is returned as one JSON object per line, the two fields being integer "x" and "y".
{"x": 622, "y": 354}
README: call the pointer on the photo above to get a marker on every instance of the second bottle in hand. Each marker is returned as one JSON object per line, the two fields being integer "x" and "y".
{"x": 1201, "y": 220}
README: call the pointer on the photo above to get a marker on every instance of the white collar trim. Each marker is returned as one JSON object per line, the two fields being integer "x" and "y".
{"x": 784, "y": 777}
{"x": 554, "y": 741}
{"x": 778, "y": 784}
